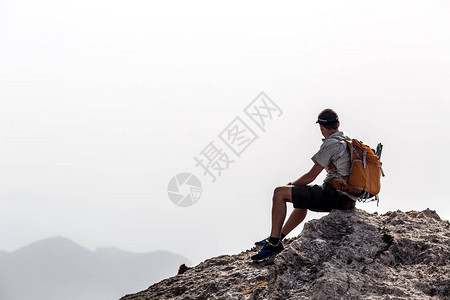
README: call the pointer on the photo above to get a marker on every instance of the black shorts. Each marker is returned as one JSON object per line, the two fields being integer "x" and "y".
{"x": 320, "y": 198}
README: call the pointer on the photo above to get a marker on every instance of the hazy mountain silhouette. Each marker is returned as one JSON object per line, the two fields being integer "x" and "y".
{"x": 58, "y": 268}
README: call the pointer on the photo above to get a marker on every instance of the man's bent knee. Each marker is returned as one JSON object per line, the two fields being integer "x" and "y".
{"x": 283, "y": 192}
{"x": 277, "y": 190}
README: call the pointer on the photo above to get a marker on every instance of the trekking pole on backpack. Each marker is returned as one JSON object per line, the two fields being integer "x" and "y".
{"x": 379, "y": 149}
{"x": 378, "y": 153}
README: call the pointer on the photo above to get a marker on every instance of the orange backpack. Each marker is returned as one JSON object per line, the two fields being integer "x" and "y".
{"x": 365, "y": 172}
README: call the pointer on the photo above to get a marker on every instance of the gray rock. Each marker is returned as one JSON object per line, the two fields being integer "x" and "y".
{"x": 344, "y": 255}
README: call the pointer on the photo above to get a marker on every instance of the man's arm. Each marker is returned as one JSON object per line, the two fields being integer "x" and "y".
{"x": 310, "y": 176}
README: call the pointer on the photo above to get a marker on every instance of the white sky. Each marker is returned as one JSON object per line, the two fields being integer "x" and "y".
{"x": 103, "y": 102}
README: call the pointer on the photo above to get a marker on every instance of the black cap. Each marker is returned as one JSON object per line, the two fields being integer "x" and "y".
{"x": 324, "y": 121}
{"x": 327, "y": 117}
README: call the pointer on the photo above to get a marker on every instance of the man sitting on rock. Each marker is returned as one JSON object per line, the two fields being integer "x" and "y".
{"x": 322, "y": 198}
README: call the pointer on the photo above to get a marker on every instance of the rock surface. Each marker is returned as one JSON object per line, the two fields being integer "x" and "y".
{"x": 344, "y": 255}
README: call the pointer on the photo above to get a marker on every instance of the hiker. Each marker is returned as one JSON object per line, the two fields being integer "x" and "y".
{"x": 334, "y": 157}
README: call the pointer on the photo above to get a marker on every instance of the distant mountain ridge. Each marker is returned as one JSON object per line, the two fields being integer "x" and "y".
{"x": 58, "y": 268}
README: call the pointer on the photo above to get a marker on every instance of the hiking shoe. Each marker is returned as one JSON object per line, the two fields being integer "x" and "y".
{"x": 268, "y": 250}
{"x": 263, "y": 242}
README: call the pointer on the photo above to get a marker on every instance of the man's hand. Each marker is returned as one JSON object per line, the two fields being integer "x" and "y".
{"x": 310, "y": 176}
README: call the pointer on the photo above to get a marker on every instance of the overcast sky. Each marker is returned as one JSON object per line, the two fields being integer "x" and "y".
{"x": 103, "y": 102}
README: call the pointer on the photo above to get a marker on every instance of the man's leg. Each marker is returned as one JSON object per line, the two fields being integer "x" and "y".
{"x": 281, "y": 195}
{"x": 297, "y": 216}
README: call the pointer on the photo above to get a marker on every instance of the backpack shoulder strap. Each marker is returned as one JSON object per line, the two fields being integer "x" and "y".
{"x": 341, "y": 139}
{"x": 348, "y": 142}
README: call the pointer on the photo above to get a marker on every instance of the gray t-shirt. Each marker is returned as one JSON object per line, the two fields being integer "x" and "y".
{"x": 333, "y": 151}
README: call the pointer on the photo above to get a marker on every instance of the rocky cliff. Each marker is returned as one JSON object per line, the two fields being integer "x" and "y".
{"x": 344, "y": 255}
